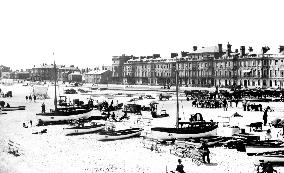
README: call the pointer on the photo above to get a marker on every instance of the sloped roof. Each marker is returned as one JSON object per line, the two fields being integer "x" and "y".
{"x": 211, "y": 49}
{"x": 96, "y": 72}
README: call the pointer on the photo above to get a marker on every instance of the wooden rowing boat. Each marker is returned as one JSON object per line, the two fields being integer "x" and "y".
{"x": 118, "y": 135}
{"x": 80, "y": 130}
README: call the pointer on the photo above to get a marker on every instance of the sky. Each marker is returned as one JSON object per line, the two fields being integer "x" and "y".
{"x": 87, "y": 33}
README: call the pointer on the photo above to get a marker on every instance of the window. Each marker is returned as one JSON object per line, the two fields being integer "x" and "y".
{"x": 276, "y": 61}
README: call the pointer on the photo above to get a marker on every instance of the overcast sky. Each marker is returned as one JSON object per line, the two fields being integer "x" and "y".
{"x": 87, "y": 33}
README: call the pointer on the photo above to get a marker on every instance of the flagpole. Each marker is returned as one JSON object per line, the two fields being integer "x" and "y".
{"x": 177, "y": 113}
{"x": 55, "y": 79}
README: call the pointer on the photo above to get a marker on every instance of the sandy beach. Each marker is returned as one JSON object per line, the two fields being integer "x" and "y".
{"x": 54, "y": 152}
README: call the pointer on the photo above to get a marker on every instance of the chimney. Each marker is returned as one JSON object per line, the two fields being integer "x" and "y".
{"x": 243, "y": 50}
{"x": 281, "y": 49}
{"x": 265, "y": 49}
{"x": 156, "y": 55}
{"x": 194, "y": 48}
{"x": 220, "y": 48}
{"x": 250, "y": 49}
{"x": 228, "y": 49}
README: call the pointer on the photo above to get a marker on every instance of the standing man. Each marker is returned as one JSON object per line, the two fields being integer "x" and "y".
{"x": 265, "y": 115}
{"x": 205, "y": 152}
{"x": 225, "y": 104}
{"x": 43, "y": 108}
{"x": 245, "y": 104}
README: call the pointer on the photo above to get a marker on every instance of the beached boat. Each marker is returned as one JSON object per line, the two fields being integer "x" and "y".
{"x": 81, "y": 129}
{"x": 119, "y": 134}
{"x": 258, "y": 147}
{"x": 190, "y": 130}
{"x": 2, "y": 113}
{"x": 195, "y": 128}
{"x": 65, "y": 112}
{"x": 14, "y": 108}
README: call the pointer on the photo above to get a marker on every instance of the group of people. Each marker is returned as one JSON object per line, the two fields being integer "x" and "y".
{"x": 247, "y": 106}
{"x": 31, "y": 98}
{"x": 211, "y": 103}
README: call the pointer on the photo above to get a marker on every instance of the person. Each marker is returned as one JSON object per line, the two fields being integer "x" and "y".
{"x": 113, "y": 116}
{"x": 24, "y": 125}
{"x": 8, "y": 105}
{"x": 187, "y": 98}
{"x": 237, "y": 101}
{"x": 205, "y": 152}
{"x": 248, "y": 106}
{"x": 180, "y": 166}
{"x": 245, "y": 104}
{"x": 43, "y": 108}
{"x": 225, "y": 104}
{"x": 34, "y": 97}
{"x": 30, "y": 97}
{"x": 31, "y": 122}
{"x": 265, "y": 115}
{"x": 27, "y": 98}
{"x": 268, "y": 135}
{"x": 268, "y": 168}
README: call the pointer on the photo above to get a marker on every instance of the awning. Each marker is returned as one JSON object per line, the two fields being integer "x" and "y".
{"x": 246, "y": 71}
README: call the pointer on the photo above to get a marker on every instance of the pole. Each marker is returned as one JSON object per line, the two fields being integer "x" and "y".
{"x": 55, "y": 79}
{"x": 177, "y": 115}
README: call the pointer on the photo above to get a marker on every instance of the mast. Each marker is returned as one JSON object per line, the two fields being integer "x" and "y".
{"x": 177, "y": 115}
{"x": 55, "y": 79}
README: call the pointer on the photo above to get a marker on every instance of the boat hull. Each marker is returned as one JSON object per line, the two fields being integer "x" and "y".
{"x": 62, "y": 117}
{"x": 81, "y": 131}
{"x": 164, "y": 134}
{"x": 116, "y": 135}
{"x": 252, "y": 150}
{"x": 275, "y": 160}
{"x": 14, "y": 108}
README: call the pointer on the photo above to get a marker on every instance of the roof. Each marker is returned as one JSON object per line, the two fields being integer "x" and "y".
{"x": 75, "y": 73}
{"x": 211, "y": 49}
{"x": 96, "y": 72}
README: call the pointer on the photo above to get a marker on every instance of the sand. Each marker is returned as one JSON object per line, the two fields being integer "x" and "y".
{"x": 56, "y": 153}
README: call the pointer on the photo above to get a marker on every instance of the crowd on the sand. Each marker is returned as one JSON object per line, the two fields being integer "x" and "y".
{"x": 224, "y": 103}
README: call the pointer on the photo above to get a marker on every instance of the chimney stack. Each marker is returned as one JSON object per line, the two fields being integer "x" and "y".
{"x": 228, "y": 49}
{"x": 250, "y": 49}
{"x": 194, "y": 48}
{"x": 281, "y": 49}
{"x": 220, "y": 48}
{"x": 243, "y": 51}
{"x": 265, "y": 49}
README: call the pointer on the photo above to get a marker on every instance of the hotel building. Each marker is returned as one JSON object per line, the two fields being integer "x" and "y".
{"x": 207, "y": 66}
